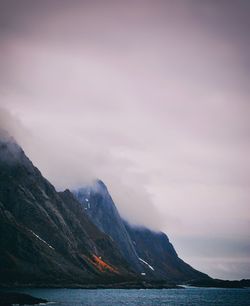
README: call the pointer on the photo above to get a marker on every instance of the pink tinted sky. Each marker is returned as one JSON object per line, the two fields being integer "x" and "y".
{"x": 150, "y": 96}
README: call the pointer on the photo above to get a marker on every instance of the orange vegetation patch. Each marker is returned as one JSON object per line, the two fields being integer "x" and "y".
{"x": 101, "y": 265}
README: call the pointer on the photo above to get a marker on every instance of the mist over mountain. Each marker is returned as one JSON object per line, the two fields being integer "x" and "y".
{"x": 84, "y": 171}
{"x": 49, "y": 237}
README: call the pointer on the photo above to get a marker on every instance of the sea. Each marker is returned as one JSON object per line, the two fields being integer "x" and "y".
{"x": 147, "y": 297}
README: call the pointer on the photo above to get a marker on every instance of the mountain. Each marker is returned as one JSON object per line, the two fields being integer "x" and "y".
{"x": 46, "y": 237}
{"x": 149, "y": 253}
{"x": 50, "y": 238}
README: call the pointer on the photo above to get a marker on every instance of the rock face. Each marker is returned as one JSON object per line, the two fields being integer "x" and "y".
{"x": 46, "y": 236}
{"x": 149, "y": 253}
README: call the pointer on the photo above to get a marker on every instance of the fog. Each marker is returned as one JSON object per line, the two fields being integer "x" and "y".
{"x": 152, "y": 97}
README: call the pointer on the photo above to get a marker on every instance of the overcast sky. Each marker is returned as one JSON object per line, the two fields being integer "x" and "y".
{"x": 152, "y": 97}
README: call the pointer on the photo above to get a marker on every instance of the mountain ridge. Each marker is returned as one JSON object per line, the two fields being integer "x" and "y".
{"x": 49, "y": 237}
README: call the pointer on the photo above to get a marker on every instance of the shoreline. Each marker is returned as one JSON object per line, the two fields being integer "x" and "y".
{"x": 10, "y": 298}
{"x": 211, "y": 283}
{"x": 93, "y": 286}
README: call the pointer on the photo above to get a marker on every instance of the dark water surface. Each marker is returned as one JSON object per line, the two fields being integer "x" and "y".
{"x": 155, "y": 297}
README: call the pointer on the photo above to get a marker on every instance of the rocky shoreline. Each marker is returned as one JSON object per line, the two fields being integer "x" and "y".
{"x": 10, "y": 298}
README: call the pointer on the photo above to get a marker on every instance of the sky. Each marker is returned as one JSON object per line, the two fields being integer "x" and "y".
{"x": 153, "y": 98}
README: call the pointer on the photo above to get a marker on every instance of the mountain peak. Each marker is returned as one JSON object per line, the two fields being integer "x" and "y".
{"x": 100, "y": 183}
{"x": 99, "y": 186}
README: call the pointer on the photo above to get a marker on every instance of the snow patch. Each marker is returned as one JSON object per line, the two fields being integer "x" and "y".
{"x": 146, "y": 263}
{"x": 38, "y": 237}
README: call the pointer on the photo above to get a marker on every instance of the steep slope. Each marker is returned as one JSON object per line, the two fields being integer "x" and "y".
{"x": 149, "y": 253}
{"x": 101, "y": 209}
{"x": 159, "y": 256}
{"x": 46, "y": 236}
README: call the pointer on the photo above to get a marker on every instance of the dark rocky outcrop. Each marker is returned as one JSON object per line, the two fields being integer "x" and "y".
{"x": 10, "y": 298}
